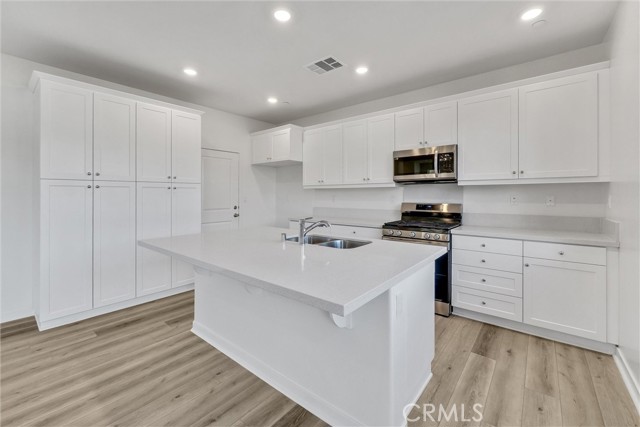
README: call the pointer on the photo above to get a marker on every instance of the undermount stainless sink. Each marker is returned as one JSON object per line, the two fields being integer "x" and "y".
{"x": 344, "y": 243}
{"x": 330, "y": 242}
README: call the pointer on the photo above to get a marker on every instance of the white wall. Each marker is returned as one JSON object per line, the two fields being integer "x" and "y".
{"x": 220, "y": 130}
{"x": 625, "y": 172}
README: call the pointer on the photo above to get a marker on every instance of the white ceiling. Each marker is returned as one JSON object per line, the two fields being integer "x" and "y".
{"x": 243, "y": 55}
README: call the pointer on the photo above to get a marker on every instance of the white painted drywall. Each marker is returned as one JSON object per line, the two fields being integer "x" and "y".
{"x": 220, "y": 130}
{"x": 625, "y": 173}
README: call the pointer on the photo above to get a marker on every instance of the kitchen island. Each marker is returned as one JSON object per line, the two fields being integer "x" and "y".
{"x": 346, "y": 333}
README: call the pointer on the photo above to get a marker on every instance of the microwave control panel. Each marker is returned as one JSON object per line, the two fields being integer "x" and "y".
{"x": 446, "y": 163}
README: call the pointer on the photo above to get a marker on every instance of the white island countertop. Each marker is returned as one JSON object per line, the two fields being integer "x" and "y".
{"x": 335, "y": 280}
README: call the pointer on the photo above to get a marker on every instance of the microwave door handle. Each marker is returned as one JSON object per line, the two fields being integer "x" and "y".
{"x": 435, "y": 163}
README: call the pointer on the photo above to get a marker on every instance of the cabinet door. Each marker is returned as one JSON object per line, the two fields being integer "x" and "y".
{"x": 153, "y": 221}
{"x": 280, "y": 145}
{"x": 566, "y": 297}
{"x": 381, "y": 134}
{"x": 114, "y": 137}
{"x": 559, "y": 128}
{"x": 261, "y": 149}
{"x": 114, "y": 242}
{"x": 409, "y": 132}
{"x": 355, "y": 152}
{"x": 66, "y": 133}
{"x": 185, "y": 219}
{"x": 332, "y": 156}
{"x": 153, "y": 130}
{"x": 488, "y": 136}
{"x": 66, "y": 223}
{"x": 186, "y": 143}
{"x": 312, "y": 157}
{"x": 441, "y": 124}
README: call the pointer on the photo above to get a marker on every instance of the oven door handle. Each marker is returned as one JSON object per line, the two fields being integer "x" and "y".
{"x": 417, "y": 241}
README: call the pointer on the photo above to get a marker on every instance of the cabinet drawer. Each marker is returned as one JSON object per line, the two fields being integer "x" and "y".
{"x": 487, "y": 260}
{"x": 485, "y": 244}
{"x": 486, "y": 302}
{"x": 569, "y": 253}
{"x": 500, "y": 282}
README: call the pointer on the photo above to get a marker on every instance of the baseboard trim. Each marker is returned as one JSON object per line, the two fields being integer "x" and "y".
{"x": 16, "y": 315}
{"x": 54, "y": 323}
{"x": 305, "y": 397}
{"x": 600, "y": 347}
{"x": 627, "y": 377}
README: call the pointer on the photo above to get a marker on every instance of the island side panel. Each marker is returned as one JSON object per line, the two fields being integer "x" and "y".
{"x": 358, "y": 376}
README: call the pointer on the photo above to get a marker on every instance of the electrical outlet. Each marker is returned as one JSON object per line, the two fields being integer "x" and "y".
{"x": 551, "y": 201}
{"x": 513, "y": 200}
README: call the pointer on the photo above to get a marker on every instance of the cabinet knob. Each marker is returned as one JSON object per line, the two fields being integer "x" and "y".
{"x": 175, "y": 177}
{"x": 88, "y": 186}
{"x": 97, "y": 173}
{"x": 561, "y": 252}
{"x": 484, "y": 303}
{"x": 513, "y": 172}
{"x": 169, "y": 177}
{"x": 521, "y": 172}
{"x": 482, "y": 260}
{"x": 526, "y": 265}
{"x": 174, "y": 188}
{"x": 364, "y": 179}
{"x": 168, "y": 188}
{"x": 483, "y": 245}
{"x": 89, "y": 173}
{"x": 236, "y": 215}
{"x": 235, "y": 207}
{"x": 483, "y": 280}
{"x": 97, "y": 186}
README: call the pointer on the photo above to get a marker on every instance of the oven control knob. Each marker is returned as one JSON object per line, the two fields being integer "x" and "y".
{"x": 413, "y": 234}
{"x": 398, "y": 233}
{"x": 388, "y": 232}
{"x": 436, "y": 236}
{"x": 427, "y": 236}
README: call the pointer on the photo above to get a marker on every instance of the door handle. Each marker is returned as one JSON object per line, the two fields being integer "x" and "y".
{"x": 236, "y": 215}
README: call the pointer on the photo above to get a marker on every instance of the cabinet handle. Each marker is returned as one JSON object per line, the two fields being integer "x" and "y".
{"x": 168, "y": 188}
{"x": 364, "y": 179}
{"x": 483, "y": 245}
{"x": 561, "y": 252}
{"x": 97, "y": 173}
{"x": 484, "y": 303}
{"x": 174, "y": 188}
{"x": 513, "y": 172}
{"x": 526, "y": 265}
{"x": 97, "y": 186}
{"x": 175, "y": 177}
{"x": 482, "y": 260}
{"x": 521, "y": 172}
{"x": 235, "y": 207}
{"x": 236, "y": 215}
{"x": 88, "y": 186}
{"x": 89, "y": 173}
{"x": 483, "y": 280}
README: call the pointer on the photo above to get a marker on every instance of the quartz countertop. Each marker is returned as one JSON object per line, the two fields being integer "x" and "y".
{"x": 551, "y": 236}
{"x": 335, "y": 280}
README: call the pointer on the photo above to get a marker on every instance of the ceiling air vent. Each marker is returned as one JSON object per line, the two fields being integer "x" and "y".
{"x": 324, "y": 65}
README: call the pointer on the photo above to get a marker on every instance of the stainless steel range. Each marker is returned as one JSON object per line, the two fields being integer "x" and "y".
{"x": 429, "y": 224}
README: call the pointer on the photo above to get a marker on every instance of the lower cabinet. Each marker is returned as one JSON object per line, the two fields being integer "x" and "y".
{"x": 554, "y": 286}
{"x": 567, "y": 297}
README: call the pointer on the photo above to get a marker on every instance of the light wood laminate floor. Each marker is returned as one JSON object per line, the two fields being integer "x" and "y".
{"x": 142, "y": 366}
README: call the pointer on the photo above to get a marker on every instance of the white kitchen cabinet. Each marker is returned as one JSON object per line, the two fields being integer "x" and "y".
{"x": 153, "y": 130}
{"x": 66, "y": 227}
{"x": 566, "y": 297}
{"x": 65, "y": 130}
{"x": 114, "y": 242}
{"x": 114, "y": 138}
{"x": 409, "y": 129}
{"x": 558, "y": 133}
{"x": 380, "y": 149}
{"x": 281, "y": 146}
{"x": 355, "y": 152}
{"x": 432, "y": 125}
{"x": 441, "y": 124}
{"x": 322, "y": 156}
{"x": 488, "y": 136}
{"x": 185, "y": 219}
{"x": 186, "y": 143}
{"x": 153, "y": 221}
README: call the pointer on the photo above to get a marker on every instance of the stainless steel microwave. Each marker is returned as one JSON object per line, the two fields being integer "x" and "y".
{"x": 429, "y": 164}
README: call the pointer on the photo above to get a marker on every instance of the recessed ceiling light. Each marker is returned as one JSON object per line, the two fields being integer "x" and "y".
{"x": 190, "y": 72}
{"x": 272, "y": 100}
{"x": 362, "y": 70}
{"x": 282, "y": 15}
{"x": 531, "y": 14}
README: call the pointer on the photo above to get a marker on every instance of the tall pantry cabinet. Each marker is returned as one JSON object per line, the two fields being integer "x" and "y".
{"x": 99, "y": 152}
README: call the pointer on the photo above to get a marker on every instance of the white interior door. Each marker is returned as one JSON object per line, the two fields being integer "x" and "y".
{"x": 185, "y": 219}
{"x": 66, "y": 223}
{"x": 186, "y": 143}
{"x": 114, "y": 242}
{"x": 153, "y": 130}
{"x": 114, "y": 138}
{"x": 153, "y": 221}
{"x": 220, "y": 207}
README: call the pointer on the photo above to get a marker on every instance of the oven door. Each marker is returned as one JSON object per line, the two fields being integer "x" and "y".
{"x": 425, "y": 164}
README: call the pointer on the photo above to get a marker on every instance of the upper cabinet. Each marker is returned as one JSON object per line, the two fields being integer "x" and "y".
{"x": 368, "y": 150}
{"x": 114, "y": 138}
{"x": 559, "y": 128}
{"x": 322, "y": 157}
{"x": 154, "y": 143}
{"x": 186, "y": 144}
{"x": 432, "y": 125}
{"x": 66, "y": 131}
{"x": 281, "y": 146}
{"x": 488, "y": 136}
